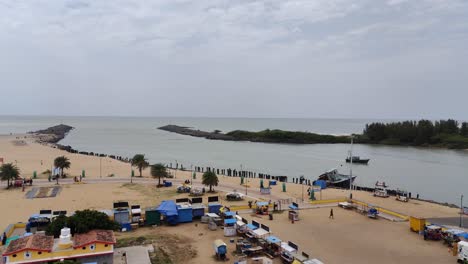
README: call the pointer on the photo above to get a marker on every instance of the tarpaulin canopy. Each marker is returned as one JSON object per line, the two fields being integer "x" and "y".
{"x": 229, "y": 214}
{"x": 262, "y": 203}
{"x": 229, "y": 221}
{"x": 273, "y": 240}
{"x": 251, "y": 227}
{"x": 260, "y": 232}
{"x": 240, "y": 223}
{"x": 168, "y": 208}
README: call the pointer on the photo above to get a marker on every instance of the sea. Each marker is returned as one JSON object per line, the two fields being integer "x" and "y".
{"x": 437, "y": 174}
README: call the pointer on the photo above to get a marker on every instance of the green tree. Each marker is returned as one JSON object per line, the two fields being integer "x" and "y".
{"x": 210, "y": 179}
{"x": 57, "y": 224}
{"x": 464, "y": 129}
{"x": 140, "y": 162}
{"x": 158, "y": 171}
{"x": 63, "y": 163}
{"x": 87, "y": 220}
{"x": 9, "y": 172}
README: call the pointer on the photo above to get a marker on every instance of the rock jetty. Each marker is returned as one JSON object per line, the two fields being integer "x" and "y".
{"x": 52, "y": 134}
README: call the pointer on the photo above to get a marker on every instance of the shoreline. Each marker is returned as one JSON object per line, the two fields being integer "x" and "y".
{"x": 39, "y": 138}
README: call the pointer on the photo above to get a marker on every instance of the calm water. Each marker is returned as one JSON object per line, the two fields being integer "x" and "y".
{"x": 433, "y": 173}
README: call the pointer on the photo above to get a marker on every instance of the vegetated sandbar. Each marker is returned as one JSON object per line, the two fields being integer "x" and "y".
{"x": 267, "y": 136}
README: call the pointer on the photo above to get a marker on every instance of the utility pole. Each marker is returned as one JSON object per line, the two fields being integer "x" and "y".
{"x": 175, "y": 171}
{"x": 461, "y": 211}
{"x": 100, "y": 167}
{"x": 351, "y": 167}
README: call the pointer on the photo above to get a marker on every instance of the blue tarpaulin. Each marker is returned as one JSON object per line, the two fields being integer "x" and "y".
{"x": 293, "y": 207}
{"x": 251, "y": 227}
{"x": 229, "y": 214}
{"x": 229, "y": 221}
{"x": 273, "y": 240}
{"x": 321, "y": 183}
{"x": 262, "y": 203}
{"x": 169, "y": 210}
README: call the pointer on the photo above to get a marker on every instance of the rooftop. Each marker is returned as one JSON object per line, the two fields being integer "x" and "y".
{"x": 34, "y": 242}
{"x": 103, "y": 236}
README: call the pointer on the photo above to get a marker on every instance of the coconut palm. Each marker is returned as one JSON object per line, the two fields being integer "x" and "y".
{"x": 140, "y": 162}
{"x": 210, "y": 179}
{"x": 63, "y": 163}
{"x": 157, "y": 171}
{"x": 9, "y": 172}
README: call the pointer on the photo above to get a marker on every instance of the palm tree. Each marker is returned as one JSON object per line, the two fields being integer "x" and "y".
{"x": 8, "y": 172}
{"x": 62, "y": 162}
{"x": 157, "y": 171}
{"x": 211, "y": 179}
{"x": 140, "y": 162}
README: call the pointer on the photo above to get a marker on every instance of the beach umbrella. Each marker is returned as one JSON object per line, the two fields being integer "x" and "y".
{"x": 242, "y": 180}
{"x": 284, "y": 187}
{"x": 261, "y": 183}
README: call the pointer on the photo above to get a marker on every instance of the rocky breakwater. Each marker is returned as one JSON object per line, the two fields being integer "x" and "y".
{"x": 217, "y": 135}
{"x": 52, "y": 134}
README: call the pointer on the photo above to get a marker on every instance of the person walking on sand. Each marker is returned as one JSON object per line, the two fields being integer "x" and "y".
{"x": 331, "y": 214}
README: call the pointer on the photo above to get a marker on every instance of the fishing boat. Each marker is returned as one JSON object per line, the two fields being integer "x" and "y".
{"x": 357, "y": 160}
{"x": 336, "y": 179}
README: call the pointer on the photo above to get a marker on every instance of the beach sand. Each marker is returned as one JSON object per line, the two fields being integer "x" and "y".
{"x": 349, "y": 238}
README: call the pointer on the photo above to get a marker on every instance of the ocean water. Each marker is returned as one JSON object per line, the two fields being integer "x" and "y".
{"x": 437, "y": 174}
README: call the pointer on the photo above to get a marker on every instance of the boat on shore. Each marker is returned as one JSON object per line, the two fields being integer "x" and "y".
{"x": 336, "y": 179}
{"x": 357, "y": 160}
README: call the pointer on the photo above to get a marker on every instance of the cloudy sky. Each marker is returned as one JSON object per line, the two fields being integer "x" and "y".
{"x": 243, "y": 58}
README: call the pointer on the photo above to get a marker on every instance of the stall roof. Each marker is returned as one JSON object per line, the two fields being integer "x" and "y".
{"x": 168, "y": 208}
{"x": 287, "y": 247}
{"x": 252, "y": 227}
{"x": 262, "y": 203}
{"x": 240, "y": 223}
{"x": 260, "y": 232}
{"x": 229, "y": 213}
{"x": 229, "y": 221}
{"x": 273, "y": 240}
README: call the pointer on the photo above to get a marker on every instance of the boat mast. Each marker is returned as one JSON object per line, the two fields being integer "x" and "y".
{"x": 351, "y": 168}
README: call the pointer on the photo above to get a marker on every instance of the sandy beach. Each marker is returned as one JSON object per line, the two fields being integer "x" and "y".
{"x": 349, "y": 238}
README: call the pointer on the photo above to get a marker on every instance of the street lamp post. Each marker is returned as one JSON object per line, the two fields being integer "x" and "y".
{"x": 175, "y": 171}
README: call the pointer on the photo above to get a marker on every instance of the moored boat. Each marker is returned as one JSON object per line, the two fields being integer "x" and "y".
{"x": 336, "y": 179}
{"x": 357, "y": 160}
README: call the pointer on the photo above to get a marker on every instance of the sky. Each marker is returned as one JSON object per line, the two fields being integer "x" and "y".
{"x": 243, "y": 58}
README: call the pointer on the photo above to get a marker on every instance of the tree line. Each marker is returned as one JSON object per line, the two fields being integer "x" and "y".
{"x": 449, "y": 133}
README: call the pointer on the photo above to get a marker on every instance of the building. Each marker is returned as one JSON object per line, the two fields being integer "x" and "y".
{"x": 96, "y": 246}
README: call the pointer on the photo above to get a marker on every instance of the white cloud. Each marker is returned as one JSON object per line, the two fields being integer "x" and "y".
{"x": 192, "y": 48}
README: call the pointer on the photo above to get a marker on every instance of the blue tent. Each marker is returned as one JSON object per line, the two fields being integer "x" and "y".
{"x": 169, "y": 210}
